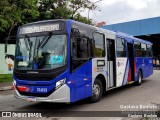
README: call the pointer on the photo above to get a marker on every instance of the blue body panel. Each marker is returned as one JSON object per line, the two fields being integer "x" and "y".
{"x": 80, "y": 88}
{"x": 82, "y": 78}
{"x": 49, "y": 85}
{"x": 79, "y": 81}
{"x": 130, "y": 38}
{"x": 143, "y": 63}
{"x": 146, "y": 65}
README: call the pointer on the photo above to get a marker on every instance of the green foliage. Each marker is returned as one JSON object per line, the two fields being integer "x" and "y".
{"x": 14, "y": 13}
{"x": 78, "y": 6}
{"x": 17, "y": 12}
{"x": 65, "y": 9}
{"x": 80, "y": 18}
{"x": 5, "y": 78}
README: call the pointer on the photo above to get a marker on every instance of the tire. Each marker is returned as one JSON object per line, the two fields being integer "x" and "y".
{"x": 97, "y": 91}
{"x": 139, "y": 82}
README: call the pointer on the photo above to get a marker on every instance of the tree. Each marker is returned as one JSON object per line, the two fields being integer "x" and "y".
{"x": 53, "y": 9}
{"x": 16, "y": 12}
{"x": 78, "y": 6}
{"x": 80, "y": 18}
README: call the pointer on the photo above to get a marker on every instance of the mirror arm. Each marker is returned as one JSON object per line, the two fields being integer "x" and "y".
{"x": 6, "y": 45}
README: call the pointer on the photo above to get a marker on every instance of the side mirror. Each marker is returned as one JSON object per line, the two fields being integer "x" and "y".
{"x": 5, "y": 48}
{"x": 6, "y": 39}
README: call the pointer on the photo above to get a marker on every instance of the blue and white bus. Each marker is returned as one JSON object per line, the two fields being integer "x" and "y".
{"x": 66, "y": 61}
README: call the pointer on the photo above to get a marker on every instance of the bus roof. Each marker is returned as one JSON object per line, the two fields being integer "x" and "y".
{"x": 83, "y": 24}
{"x": 127, "y": 37}
{"x": 94, "y": 27}
{"x": 79, "y": 23}
{"x": 130, "y": 38}
{"x": 44, "y": 21}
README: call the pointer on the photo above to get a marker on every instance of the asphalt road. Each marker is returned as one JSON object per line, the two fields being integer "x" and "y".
{"x": 129, "y": 97}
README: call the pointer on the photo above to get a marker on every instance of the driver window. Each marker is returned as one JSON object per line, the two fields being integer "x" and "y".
{"x": 80, "y": 48}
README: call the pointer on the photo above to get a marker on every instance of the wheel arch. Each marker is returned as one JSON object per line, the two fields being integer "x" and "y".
{"x": 140, "y": 69}
{"x": 103, "y": 80}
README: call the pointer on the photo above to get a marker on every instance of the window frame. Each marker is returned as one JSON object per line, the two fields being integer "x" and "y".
{"x": 124, "y": 47}
{"x": 144, "y": 52}
{"x": 94, "y": 45}
{"x": 137, "y": 49}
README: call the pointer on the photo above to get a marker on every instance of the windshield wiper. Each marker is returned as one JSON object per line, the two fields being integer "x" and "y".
{"x": 27, "y": 42}
{"x": 41, "y": 44}
{"x": 44, "y": 40}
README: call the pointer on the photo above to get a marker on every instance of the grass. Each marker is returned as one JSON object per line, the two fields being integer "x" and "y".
{"x": 5, "y": 78}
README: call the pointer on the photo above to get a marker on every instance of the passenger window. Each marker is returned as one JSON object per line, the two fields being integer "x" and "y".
{"x": 137, "y": 45}
{"x": 137, "y": 49}
{"x": 149, "y": 51}
{"x": 144, "y": 48}
{"x": 99, "y": 47}
{"x": 120, "y": 47}
{"x": 149, "y": 48}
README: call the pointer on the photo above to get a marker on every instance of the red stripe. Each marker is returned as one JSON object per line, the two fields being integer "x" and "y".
{"x": 134, "y": 66}
{"x": 22, "y": 88}
{"x": 129, "y": 75}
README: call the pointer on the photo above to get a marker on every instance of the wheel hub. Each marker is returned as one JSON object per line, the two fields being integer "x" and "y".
{"x": 96, "y": 90}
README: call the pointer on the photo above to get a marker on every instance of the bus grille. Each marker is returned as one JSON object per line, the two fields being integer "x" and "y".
{"x": 34, "y": 78}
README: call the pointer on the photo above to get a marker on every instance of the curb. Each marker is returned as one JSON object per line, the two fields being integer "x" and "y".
{"x": 6, "y": 88}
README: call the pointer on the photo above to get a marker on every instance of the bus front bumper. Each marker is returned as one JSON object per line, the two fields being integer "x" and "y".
{"x": 61, "y": 95}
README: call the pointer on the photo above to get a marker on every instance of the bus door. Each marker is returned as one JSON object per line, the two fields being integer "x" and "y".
{"x": 111, "y": 63}
{"x": 131, "y": 62}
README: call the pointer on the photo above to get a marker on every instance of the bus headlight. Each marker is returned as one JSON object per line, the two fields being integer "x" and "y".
{"x": 60, "y": 83}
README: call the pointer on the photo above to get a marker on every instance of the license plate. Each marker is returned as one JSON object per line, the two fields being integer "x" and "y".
{"x": 31, "y": 99}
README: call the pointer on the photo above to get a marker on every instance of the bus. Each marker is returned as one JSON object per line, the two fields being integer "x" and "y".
{"x": 66, "y": 61}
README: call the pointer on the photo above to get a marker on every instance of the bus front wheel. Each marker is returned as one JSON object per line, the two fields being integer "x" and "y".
{"x": 139, "y": 82}
{"x": 97, "y": 91}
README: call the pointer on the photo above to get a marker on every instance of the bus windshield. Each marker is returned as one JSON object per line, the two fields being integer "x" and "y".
{"x": 41, "y": 52}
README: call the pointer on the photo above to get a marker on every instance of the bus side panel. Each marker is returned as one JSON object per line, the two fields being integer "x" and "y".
{"x": 148, "y": 67}
{"x": 82, "y": 80}
{"x": 139, "y": 65}
{"x": 122, "y": 66}
{"x": 100, "y": 70}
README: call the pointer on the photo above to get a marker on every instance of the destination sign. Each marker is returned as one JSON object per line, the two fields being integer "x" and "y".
{"x": 41, "y": 28}
{"x": 36, "y": 28}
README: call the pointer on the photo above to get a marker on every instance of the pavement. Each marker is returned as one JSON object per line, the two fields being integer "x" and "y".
{"x": 127, "y": 98}
{"x": 6, "y": 86}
